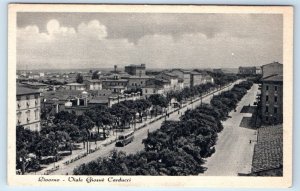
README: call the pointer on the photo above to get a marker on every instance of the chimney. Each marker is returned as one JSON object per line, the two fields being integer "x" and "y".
{"x": 115, "y": 67}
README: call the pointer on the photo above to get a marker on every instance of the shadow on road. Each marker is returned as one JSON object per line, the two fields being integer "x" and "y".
{"x": 250, "y": 122}
{"x": 248, "y": 109}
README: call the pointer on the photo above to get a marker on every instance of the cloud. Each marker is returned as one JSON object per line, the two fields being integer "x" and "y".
{"x": 54, "y": 28}
{"x": 87, "y": 45}
{"x": 93, "y": 29}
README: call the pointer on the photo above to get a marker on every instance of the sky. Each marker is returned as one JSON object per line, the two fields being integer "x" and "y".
{"x": 159, "y": 40}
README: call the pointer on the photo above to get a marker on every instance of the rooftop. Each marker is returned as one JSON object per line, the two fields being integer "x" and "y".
{"x": 35, "y": 84}
{"x": 26, "y": 91}
{"x": 273, "y": 63}
{"x": 75, "y": 84}
{"x": 268, "y": 153}
{"x": 182, "y": 70}
{"x": 93, "y": 80}
{"x": 99, "y": 100}
{"x": 274, "y": 78}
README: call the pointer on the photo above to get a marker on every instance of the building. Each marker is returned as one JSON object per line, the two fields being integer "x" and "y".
{"x": 93, "y": 84}
{"x": 185, "y": 75}
{"x": 75, "y": 86}
{"x": 247, "y": 70}
{"x": 35, "y": 85}
{"x": 115, "y": 84}
{"x": 28, "y": 108}
{"x": 152, "y": 89}
{"x": 272, "y": 93}
{"x": 272, "y": 99}
{"x": 101, "y": 98}
{"x": 172, "y": 78}
{"x": 271, "y": 69}
{"x": 258, "y": 70}
{"x": 135, "y": 82}
{"x": 136, "y": 70}
{"x": 200, "y": 77}
{"x": 156, "y": 86}
{"x": 66, "y": 100}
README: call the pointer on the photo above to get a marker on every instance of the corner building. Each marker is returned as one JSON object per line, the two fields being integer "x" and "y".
{"x": 28, "y": 109}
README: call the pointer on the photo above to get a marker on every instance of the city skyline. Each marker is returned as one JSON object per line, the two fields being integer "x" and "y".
{"x": 100, "y": 40}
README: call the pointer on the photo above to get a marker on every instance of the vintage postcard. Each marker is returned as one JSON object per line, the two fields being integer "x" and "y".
{"x": 150, "y": 95}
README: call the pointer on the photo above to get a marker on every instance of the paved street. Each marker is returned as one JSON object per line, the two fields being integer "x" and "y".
{"x": 233, "y": 150}
{"x": 139, "y": 135}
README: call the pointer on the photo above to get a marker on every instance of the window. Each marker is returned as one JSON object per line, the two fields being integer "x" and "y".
{"x": 36, "y": 114}
{"x": 18, "y": 98}
{"x": 19, "y": 118}
{"x": 275, "y": 87}
{"x": 267, "y": 118}
{"x": 27, "y": 97}
{"x": 267, "y": 98}
{"x": 28, "y": 115}
{"x": 275, "y": 99}
{"x": 267, "y": 109}
{"x": 267, "y": 87}
{"x": 275, "y": 110}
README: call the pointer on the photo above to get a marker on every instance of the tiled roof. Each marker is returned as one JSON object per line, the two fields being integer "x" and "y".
{"x": 268, "y": 153}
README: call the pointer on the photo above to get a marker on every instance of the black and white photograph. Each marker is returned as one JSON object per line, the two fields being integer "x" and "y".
{"x": 114, "y": 94}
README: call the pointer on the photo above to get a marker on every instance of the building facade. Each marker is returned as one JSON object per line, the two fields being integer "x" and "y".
{"x": 272, "y": 93}
{"x": 28, "y": 108}
{"x": 272, "y": 100}
{"x": 135, "y": 82}
{"x": 136, "y": 70}
{"x": 185, "y": 75}
{"x": 271, "y": 69}
{"x": 115, "y": 85}
{"x": 172, "y": 79}
{"x": 75, "y": 86}
{"x": 93, "y": 84}
{"x": 247, "y": 70}
{"x": 198, "y": 78}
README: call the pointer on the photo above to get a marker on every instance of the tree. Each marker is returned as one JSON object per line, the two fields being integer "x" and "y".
{"x": 157, "y": 99}
{"x": 46, "y": 147}
{"x": 85, "y": 124}
{"x": 79, "y": 78}
{"x": 95, "y": 74}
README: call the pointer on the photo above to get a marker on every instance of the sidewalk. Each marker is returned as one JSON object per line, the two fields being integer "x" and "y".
{"x": 235, "y": 145}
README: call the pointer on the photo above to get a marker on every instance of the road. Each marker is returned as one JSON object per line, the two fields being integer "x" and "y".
{"x": 233, "y": 149}
{"x": 139, "y": 135}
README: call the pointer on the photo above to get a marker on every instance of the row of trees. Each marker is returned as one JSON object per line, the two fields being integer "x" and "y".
{"x": 67, "y": 128}
{"x": 177, "y": 148}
